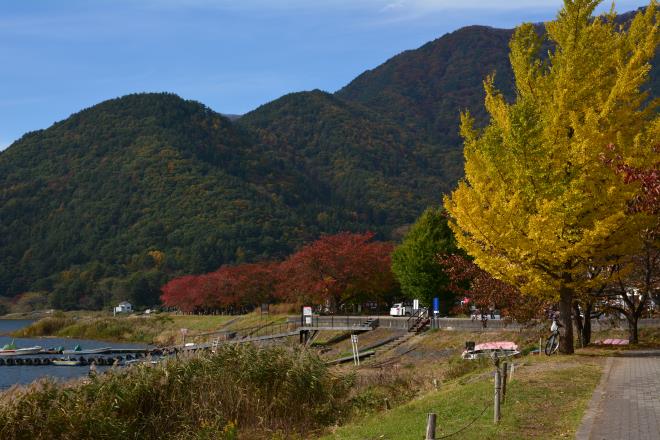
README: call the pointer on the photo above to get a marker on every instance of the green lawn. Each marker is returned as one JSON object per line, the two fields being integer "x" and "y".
{"x": 545, "y": 400}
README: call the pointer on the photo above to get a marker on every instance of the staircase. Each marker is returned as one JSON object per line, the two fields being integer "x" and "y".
{"x": 371, "y": 322}
{"x": 420, "y": 325}
{"x": 383, "y": 349}
{"x": 419, "y": 321}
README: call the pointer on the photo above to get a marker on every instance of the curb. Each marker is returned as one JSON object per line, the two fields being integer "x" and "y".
{"x": 638, "y": 353}
{"x": 586, "y": 426}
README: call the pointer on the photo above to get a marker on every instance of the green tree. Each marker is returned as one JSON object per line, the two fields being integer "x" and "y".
{"x": 537, "y": 207}
{"x": 415, "y": 264}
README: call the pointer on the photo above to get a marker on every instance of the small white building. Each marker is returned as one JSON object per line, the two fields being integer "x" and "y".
{"x": 124, "y": 307}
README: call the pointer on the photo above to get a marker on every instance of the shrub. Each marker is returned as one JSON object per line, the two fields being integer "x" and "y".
{"x": 241, "y": 389}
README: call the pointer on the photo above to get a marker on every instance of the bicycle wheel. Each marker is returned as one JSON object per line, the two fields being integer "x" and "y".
{"x": 552, "y": 344}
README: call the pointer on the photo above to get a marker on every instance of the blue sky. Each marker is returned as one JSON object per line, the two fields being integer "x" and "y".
{"x": 59, "y": 56}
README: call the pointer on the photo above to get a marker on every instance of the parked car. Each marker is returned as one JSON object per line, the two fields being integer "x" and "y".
{"x": 399, "y": 309}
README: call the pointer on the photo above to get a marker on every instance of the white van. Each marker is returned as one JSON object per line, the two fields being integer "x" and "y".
{"x": 399, "y": 309}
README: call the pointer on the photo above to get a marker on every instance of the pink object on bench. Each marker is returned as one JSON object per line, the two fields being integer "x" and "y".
{"x": 500, "y": 345}
{"x": 613, "y": 342}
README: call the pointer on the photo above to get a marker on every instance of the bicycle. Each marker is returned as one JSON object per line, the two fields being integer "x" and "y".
{"x": 552, "y": 344}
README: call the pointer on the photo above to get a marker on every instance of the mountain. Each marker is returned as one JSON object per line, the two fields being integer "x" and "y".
{"x": 138, "y": 174}
{"x": 116, "y": 199}
{"x": 371, "y": 166}
{"x": 425, "y": 89}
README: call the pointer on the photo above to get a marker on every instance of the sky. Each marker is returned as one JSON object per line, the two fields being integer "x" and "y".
{"x": 60, "y": 56}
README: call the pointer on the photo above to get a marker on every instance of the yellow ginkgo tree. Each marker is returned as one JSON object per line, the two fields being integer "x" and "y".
{"x": 537, "y": 206}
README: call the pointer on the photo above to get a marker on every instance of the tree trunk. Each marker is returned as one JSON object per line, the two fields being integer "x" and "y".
{"x": 586, "y": 329}
{"x": 565, "y": 306}
{"x": 578, "y": 322}
{"x": 632, "y": 328}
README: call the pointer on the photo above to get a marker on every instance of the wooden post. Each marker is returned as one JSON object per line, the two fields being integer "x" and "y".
{"x": 540, "y": 345}
{"x": 505, "y": 372}
{"x": 496, "y": 408}
{"x": 430, "y": 426}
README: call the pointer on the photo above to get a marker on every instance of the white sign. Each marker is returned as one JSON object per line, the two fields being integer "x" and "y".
{"x": 184, "y": 331}
{"x": 415, "y": 304}
{"x": 307, "y": 311}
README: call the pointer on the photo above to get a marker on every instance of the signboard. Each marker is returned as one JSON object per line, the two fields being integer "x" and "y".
{"x": 307, "y": 315}
{"x": 436, "y": 305}
{"x": 356, "y": 351}
{"x": 184, "y": 331}
{"x": 415, "y": 304}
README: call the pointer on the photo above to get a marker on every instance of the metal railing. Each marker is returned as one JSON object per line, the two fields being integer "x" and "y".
{"x": 416, "y": 318}
{"x": 339, "y": 321}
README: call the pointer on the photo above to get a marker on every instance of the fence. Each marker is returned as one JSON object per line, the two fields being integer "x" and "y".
{"x": 502, "y": 375}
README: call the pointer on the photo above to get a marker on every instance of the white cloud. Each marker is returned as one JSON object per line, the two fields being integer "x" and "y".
{"x": 400, "y": 6}
{"x": 376, "y": 5}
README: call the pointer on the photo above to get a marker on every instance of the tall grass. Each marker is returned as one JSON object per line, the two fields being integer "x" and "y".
{"x": 240, "y": 392}
{"x": 44, "y": 327}
{"x": 128, "y": 329}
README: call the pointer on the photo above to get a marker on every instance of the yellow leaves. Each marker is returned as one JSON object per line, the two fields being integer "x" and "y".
{"x": 157, "y": 256}
{"x": 536, "y": 197}
{"x": 525, "y": 48}
{"x": 467, "y": 130}
{"x": 495, "y": 104}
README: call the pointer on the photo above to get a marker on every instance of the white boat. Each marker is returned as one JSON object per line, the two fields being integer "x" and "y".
{"x": 12, "y": 350}
{"x": 66, "y": 362}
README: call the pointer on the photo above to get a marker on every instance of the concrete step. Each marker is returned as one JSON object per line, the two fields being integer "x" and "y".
{"x": 391, "y": 346}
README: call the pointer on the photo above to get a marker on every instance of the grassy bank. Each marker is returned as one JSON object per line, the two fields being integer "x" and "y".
{"x": 240, "y": 392}
{"x": 545, "y": 400}
{"x": 162, "y": 329}
{"x": 245, "y": 392}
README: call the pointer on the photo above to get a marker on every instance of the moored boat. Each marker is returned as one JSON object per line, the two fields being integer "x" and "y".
{"x": 12, "y": 350}
{"x": 66, "y": 362}
{"x": 78, "y": 350}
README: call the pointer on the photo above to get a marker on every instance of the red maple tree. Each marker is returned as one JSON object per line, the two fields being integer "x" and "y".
{"x": 486, "y": 292}
{"x": 338, "y": 269}
{"x": 228, "y": 288}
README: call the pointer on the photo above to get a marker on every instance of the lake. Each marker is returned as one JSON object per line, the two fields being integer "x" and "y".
{"x": 25, "y": 374}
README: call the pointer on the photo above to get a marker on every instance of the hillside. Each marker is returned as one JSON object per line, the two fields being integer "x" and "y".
{"x": 142, "y": 173}
{"x": 425, "y": 89}
{"x": 372, "y": 166}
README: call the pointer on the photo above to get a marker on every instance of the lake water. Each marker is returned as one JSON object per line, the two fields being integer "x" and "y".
{"x": 25, "y": 374}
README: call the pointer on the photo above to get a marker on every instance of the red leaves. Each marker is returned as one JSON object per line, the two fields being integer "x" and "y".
{"x": 486, "y": 292}
{"x": 227, "y": 287}
{"x": 338, "y": 268}
{"x": 648, "y": 199}
{"x": 335, "y": 268}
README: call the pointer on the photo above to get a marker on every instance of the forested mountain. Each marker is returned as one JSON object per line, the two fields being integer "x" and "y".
{"x": 144, "y": 173}
{"x": 424, "y": 89}
{"x": 116, "y": 199}
{"x": 371, "y": 166}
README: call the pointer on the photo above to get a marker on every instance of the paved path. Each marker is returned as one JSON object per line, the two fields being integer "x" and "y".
{"x": 626, "y": 404}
